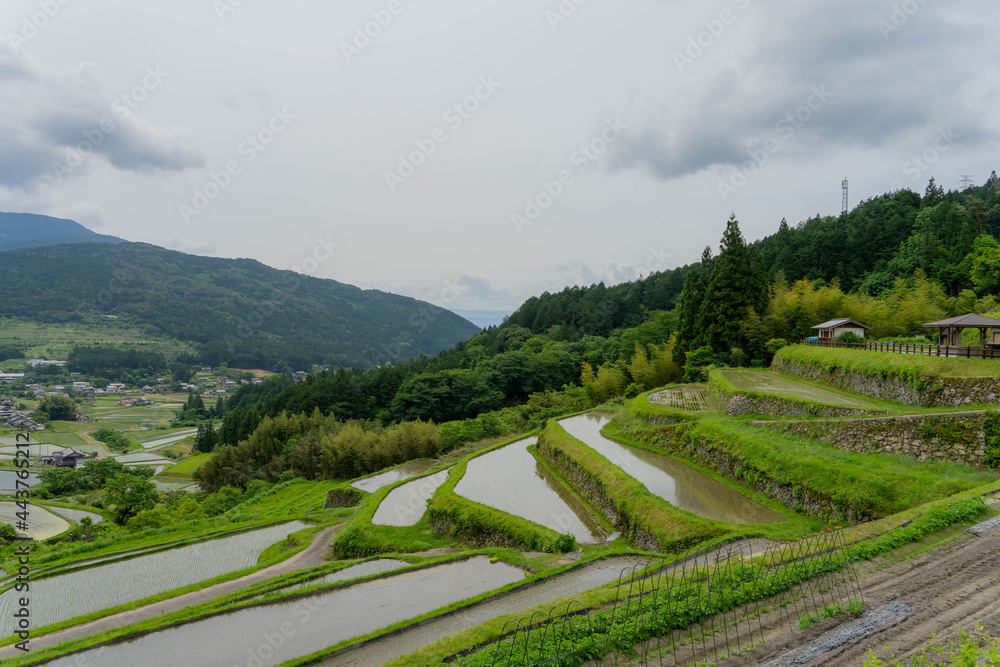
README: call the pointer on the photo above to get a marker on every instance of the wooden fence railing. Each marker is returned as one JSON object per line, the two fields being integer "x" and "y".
{"x": 907, "y": 348}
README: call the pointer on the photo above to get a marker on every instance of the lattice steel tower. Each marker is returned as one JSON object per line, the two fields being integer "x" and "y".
{"x": 843, "y": 208}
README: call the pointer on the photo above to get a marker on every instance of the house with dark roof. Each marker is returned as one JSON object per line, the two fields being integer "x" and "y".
{"x": 834, "y": 328}
{"x": 66, "y": 458}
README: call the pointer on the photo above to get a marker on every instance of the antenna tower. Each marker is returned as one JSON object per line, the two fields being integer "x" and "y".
{"x": 845, "y": 204}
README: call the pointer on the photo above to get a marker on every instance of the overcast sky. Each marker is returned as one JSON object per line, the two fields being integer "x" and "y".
{"x": 477, "y": 152}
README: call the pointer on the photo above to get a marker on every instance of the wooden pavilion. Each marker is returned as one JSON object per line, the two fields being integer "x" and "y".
{"x": 950, "y": 330}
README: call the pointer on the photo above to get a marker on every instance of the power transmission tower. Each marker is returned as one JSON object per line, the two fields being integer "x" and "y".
{"x": 845, "y": 205}
{"x": 966, "y": 182}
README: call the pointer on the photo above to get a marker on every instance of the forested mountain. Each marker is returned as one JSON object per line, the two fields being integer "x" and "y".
{"x": 237, "y": 311}
{"x": 27, "y": 230}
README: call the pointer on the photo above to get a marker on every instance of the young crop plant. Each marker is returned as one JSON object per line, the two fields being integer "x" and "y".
{"x": 968, "y": 648}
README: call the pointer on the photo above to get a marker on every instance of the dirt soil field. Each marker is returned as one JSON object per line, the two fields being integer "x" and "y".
{"x": 950, "y": 588}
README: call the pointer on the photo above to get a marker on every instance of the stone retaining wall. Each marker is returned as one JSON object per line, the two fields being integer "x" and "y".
{"x": 959, "y": 437}
{"x": 343, "y": 498}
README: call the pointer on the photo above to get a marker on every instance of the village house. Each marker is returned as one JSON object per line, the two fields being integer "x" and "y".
{"x": 66, "y": 458}
{"x": 45, "y": 362}
{"x": 835, "y": 328}
{"x": 11, "y": 377}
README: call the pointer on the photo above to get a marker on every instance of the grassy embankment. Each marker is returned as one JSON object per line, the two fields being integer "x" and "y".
{"x": 888, "y": 364}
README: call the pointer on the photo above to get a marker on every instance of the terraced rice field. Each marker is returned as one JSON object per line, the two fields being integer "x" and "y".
{"x": 167, "y": 440}
{"x": 376, "y": 482}
{"x": 511, "y": 480}
{"x": 75, "y": 515}
{"x": 765, "y": 382}
{"x": 74, "y": 594}
{"x": 690, "y": 398}
{"x": 674, "y": 481}
{"x": 8, "y": 480}
{"x": 406, "y": 504}
{"x": 42, "y": 524}
{"x": 274, "y": 633}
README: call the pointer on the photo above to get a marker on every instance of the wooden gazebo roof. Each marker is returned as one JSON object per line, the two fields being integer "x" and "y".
{"x": 970, "y": 321}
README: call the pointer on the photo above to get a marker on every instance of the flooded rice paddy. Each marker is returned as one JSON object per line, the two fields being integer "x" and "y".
{"x": 406, "y": 504}
{"x": 85, "y": 591}
{"x": 673, "y": 480}
{"x": 271, "y": 634}
{"x": 42, "y": 524}
{"x": 411, "y": 469}
{"x": 76, "y": 515}
{"x": 511, "y": 480}
{"x": 8, "y": 480}
{"x": 691, "y": 398}
{"x": 160, "y": 442}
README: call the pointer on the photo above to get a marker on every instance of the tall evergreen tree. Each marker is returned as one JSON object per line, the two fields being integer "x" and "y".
{"x": 738, "y": 286}
{"x": 689, "y": 306}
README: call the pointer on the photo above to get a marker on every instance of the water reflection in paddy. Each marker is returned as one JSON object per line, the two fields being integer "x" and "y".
{"x": 275, "y": 633}
{"x": 670, "y": 479}
{"x": 511, "y": 480}
{"x": 406, "y": 504}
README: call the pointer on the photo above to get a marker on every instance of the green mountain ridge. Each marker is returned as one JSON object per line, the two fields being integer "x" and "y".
{"x": 237, "y": 311}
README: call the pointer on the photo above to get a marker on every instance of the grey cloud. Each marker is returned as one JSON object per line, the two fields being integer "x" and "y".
{"x": 884, "y": 91}
{"x": 64, "y": 116}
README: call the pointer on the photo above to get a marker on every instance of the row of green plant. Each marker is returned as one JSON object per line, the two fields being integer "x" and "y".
{"x": 862, "y": 485}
